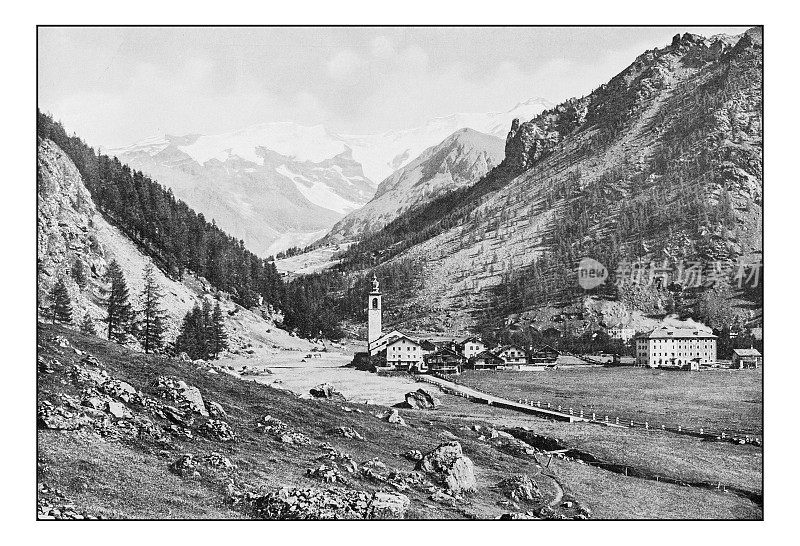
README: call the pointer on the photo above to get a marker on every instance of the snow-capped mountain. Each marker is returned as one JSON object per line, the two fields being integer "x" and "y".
{"x": 282, "y": 184}
{"x": 382, "y": 154}
{"x": 460, "y": 159}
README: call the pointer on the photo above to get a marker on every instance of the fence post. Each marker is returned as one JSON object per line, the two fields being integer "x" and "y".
{"x": 616, "y": 420}
{"x": 606, "y": 419}
{"x": 646, "y": 425}
{"x": 581, "y": 412}
{"x": 571, "y": 412}
{"x": 593, "y": 416}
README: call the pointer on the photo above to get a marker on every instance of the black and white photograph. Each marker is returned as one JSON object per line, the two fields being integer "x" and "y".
{"x": 393, "y": 271}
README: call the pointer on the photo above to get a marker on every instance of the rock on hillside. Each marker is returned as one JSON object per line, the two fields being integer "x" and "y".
{"x": 459, "y": 160}
{"x": 70, "y": 229}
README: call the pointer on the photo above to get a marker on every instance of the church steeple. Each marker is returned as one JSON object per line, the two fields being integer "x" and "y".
{"x": 374, "y": 327}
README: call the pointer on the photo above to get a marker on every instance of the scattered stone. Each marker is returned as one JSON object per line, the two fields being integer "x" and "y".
{"x": 319, "y": 504}
{"x": 217, "y": 460}
{"x": 327, "y": 473}
{"x": 422, "y": 399}
{"x": 218, "y": 430}
{"x": 185, "y": 396}
{"x": 120, "y": 390}
{"x": 348, "y": 432}
{"x": 186, "y": 467}
{"x": 451, "y": 466}
{"x": 413, "y": 455}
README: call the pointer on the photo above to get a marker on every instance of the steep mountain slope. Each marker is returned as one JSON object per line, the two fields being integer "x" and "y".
{"x": 461, "y": 159}
{"x": 661, "y": 165}
{"x": 71, "y": 229}
{"x": 277, "y": 185}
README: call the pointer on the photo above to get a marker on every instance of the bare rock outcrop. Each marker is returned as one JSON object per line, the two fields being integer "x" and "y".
{"x": 452, "y": 468}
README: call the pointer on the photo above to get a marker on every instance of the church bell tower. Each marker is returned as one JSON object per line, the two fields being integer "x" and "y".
{"x": 374, "y": 313}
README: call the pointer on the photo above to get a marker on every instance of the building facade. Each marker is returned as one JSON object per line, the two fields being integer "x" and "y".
{"x": 472, "y": 346}
{"x": 746, "y": 358}
{"x": 512, "y": 355}
{"x": 670, "y": 347}
{"x": 404, "y": 353}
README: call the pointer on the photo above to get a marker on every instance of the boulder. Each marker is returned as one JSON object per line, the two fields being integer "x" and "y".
{"x": 422, "y": 399}
{"x": 119, "y": 410}
{"x": 520, "y": 488}
{"x": 194, "y": 400}
{"x": 216, "y": 411}
{"x": 393, "y": 416}
{"x": 452, "y": 468}
{"x": 388, "y": 505}
{"x": 326, "y": 390}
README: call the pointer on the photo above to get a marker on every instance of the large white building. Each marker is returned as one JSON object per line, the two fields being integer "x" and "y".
{"x": 668, "y": 347}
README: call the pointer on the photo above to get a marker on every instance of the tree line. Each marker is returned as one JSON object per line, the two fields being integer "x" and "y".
{"x": 202, "y": 333}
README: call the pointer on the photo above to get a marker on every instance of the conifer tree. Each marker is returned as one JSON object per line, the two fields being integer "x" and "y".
{"x": 61, "y": 307}
{"x": 192, "y": 337}
{"x": 87, "y": 326}
{"x": 118, "y": 306}
{"x": 219, "y": 337}
{"x": 151, "y": 324}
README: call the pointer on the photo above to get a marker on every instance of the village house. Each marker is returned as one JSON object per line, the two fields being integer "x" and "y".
{"x": 746, "y": 358}
{"x": 512, "y": 355}
{"x": 485, "y": 360}
{"x": 676, "y": 347}
{"x": 544, "y": 354}
{"x": 444, "y": 361}
{"x": 471, "y": 346}
{"x": 404, "y": 353}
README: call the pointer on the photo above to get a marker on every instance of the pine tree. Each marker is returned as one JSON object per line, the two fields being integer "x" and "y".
{"x": 219, "y": 337}
{"x": 61, "y": 307}
{"x": 79, "y": 273}
{"x": 192, "y": 337}
{"x": 87, "y": 326}
{"x": 151, "y": 325}
{"x": 118, "y": 306}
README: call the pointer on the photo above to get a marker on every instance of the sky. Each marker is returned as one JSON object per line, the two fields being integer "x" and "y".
{"x": 115, "y": 86}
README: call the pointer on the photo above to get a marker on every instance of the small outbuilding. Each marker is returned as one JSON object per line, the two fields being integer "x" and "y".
{"x": 746, "y": 358}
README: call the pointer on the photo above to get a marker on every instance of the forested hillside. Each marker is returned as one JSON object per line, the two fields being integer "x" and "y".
{"x": 166, "y": 228}
{"x": 656, "y": 173}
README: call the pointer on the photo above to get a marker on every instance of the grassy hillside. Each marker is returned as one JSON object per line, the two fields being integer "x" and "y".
{"x": 92, "y": 463}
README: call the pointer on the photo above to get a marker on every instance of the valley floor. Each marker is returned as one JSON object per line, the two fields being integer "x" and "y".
{"x": 114, "y": 468}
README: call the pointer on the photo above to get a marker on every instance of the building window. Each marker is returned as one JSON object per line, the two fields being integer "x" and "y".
{"x": 374, "y": 303}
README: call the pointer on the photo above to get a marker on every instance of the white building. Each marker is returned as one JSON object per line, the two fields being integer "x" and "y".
{"x": 404, "y": 353}
{"x": 668, "y": 346}
{"x": 621, "y": 332}
{"x": 472, "y": 346}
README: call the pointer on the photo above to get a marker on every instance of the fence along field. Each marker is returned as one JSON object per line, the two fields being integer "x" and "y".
{"x": 712, "y": 400}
